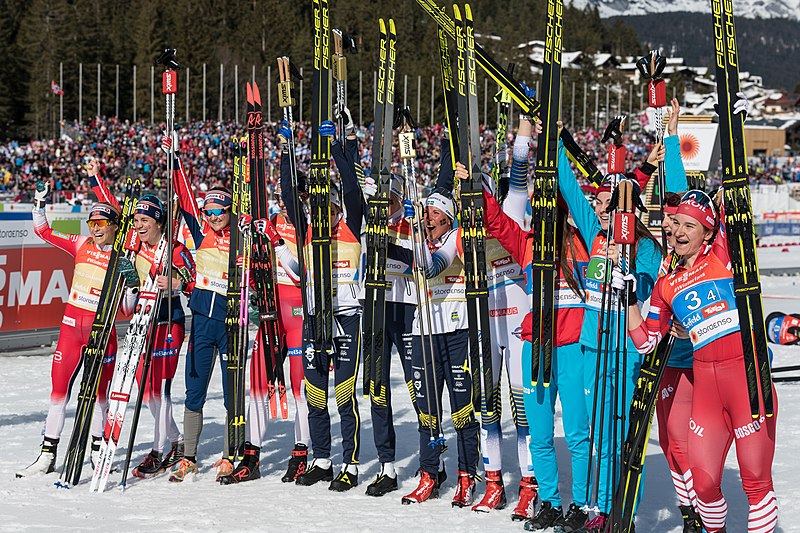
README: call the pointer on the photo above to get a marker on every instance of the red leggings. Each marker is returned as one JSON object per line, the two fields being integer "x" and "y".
{"x": 720, "y": 414}
{"x": 158, "y": 388}
{"x": 67, "y": 359}
{"x": 673, "y": 410}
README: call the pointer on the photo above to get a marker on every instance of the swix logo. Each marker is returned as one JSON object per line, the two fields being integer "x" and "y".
{"x": 695, "y": 428}
{"x": 454, "y": 279}
{"x": 121, "y": 396}
{"x": 748, "y": 429}
{"x": 502, "y": 262}
{"x": 169, "y": 82}
{"x": 504, "y": 312}
{"x": 341, "y": 264}
{"x": 715, "y": 308}
{"x": 622, "y": 228}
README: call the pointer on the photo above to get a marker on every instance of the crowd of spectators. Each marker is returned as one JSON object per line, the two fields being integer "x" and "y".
{"x": 207, "y": 149}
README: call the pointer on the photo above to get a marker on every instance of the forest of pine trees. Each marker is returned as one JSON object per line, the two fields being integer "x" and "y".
{"x": 39, "y": 35}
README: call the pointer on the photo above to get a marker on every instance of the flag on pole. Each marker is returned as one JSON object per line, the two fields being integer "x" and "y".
{"x": 56, "y": 88}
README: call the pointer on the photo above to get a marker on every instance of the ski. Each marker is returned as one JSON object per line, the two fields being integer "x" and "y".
{"x": 473, "y": 233}
{"x": 95, "y": 351}
{"x": 378, "y": 216}
{"x": 581, "y": 159}
{"x": 137, "y": 344}
{"x": 501, "y": 170}
{"x": 500, "y": 76}
{"x": 320, "y": 187}
{"x": 739, "y": 214}
{"x": 263, "y": 267}
{"x": 544, "y": 203}
{"x": 640, "y": 421}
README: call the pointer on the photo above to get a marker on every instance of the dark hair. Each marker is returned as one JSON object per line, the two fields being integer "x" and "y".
{"x": 672, "y": 199}
{"x": 566, "y": 251}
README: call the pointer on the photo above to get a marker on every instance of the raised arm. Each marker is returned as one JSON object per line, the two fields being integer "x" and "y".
{"x": 579, "y": 207}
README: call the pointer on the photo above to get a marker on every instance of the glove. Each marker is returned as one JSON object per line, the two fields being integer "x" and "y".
{"x": 625, "y": 285}
{"x": 327, "y": 129}
{"x": 265, "y": 227}
{"x": 253, "y": 314}
{"x": 742, "y": 105}
{"x": 349, "y": 127}
{"x": 41, "y": 194}
{"x": 244, "y": 223}
{"x": 284, "y": 133}
{"x": 169, "y": 144}
{"x": 370, "y": 187}
{"x": 530, "y": 93}
{"x": 128, "y": 271}
{"x": 408, "y": 209}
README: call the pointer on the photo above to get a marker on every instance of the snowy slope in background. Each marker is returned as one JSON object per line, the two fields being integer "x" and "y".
{"x": 741, "y": 8}
{"x": 268, "y": 505}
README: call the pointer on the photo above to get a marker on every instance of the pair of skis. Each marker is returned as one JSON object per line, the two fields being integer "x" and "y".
{"x": 545, "y": 196}
{"x": 375, "y": 283}
{"x": 101, "y": 332}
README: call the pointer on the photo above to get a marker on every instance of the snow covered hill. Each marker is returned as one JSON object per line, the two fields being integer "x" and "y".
{"x": 742, "y": 8}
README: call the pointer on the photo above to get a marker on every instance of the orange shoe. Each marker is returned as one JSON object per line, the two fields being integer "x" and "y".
{"x": 428, "y": 488}
{"x": 224, "y": 467}
{"x": 182, "y": 469}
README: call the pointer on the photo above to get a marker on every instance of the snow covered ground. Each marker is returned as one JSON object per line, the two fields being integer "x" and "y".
{"x": 269, "y": 505}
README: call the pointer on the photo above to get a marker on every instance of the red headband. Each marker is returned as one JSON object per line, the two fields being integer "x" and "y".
{"x": 702, "y": 213}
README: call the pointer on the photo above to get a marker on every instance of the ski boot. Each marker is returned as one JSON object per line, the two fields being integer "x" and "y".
{"x": 150, "y": 465}
{"x": 691, "y": 520}
{"x": 548, "y": 516}
{"x": 315, "y": 474}
{"x": 595, "y": 525}
{"x": 346, "y": 480}
{"x": 495, "y": 496}
{"x": 173, "y": 457}
{"x": 465, "y": 490}
{"x": 574, "y": 520}
{"x": 428, "y": 488}
{"x": 223, "y": 467}
{"x": 182, "y": 469}
{"x": 384, "y": 483}
{"x": 45, "y": 463}
{"x": 94, "y": 452}
{"x": 297, "y": 464}
{"x": 248, "y": 467}
{"x": 528, "y": 496}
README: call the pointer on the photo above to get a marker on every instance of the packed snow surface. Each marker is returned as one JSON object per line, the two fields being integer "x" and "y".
{"x": 34, "y": 504}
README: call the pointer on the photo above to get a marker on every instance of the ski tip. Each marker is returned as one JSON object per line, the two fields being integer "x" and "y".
{"x": 256, "y": 94}
{"x": 392, "y": 30}
{"x": 249, "y": 93}
{"x": 382, "y": 24}
{"x": 468, "y": 11}
{"x": 456, "y": 12}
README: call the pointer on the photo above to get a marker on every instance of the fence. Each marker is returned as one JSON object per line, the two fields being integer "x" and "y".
{"x": 215, "y": 92}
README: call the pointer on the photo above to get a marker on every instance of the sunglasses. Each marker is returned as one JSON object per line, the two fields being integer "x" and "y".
{"x": 102, "y": 223}
{"x": 215, "y": 212}
{"x": 701, "y": 198}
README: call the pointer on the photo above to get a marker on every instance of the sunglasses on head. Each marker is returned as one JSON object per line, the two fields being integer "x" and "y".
{"x": 215, "y": 212}
{"x": 102, "y": 223}
{"x": 701, "y": 198}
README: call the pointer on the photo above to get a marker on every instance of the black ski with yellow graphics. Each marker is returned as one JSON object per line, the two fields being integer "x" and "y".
{"x": 501, "y": 170}
{"x": 545, "y": 197}
{"x": 473, "y": 233}
{"x": 489, "y": 65}
{"x": 375, "y": 283}
{"x": 580, "y": 158}
{"x": 739, "y": 214}
{"x": 320, "y": 187}
{"x": 99, "y": 336}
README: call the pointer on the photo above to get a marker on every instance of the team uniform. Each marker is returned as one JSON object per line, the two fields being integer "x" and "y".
{"x": 702, "y": 299}
{"x": 91, "y": 263}
{"x": 567, "y": 378}
{"x": 345, "y": 259}
{"x": 646, "y": 262}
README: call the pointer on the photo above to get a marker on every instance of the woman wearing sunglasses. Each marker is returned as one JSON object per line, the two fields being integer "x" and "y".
{"x": 91, "y": 255}
{"x": 210, "y": 229}
{"x": 699, "y": 294}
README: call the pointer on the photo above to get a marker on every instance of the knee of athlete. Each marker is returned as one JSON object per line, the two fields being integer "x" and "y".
{"x": 316, "y": 397}
{"x": 464, "y": 417}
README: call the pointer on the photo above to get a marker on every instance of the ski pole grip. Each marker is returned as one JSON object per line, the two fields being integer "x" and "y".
{"x": 169, "y": 82}
{"x": 616, "y": 159}
{"x": 624, "y": 224}
{"x": 657, "y": 93}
